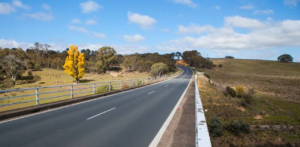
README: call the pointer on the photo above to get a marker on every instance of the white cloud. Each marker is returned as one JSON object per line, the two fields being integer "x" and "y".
{"x": 78, "y": 29}
{"x": 6, "y": 8}
{"x": 134, "y": 38}
{"x": 242, "y": 22}
{"x": 247, "y": 7}
{"x": 91, "y": 22}
{"x": 144, "y": 21}
{"x": 14, "y": 44}
{"x": 218, "y": 7}
{"x": 267, "y": 12}
{"x": 165, "y": 30}
{"x": 89, "y": 33}
{"x": 90, "y": 6}
{"x": 189, "y": 3}
{"x": 20, "y": 5}
{"x": 291, "y": 2}
{"x": 195, "y": 29}
{"x": 278, "y": 34}
{"x": 100, "y": 35}
{"x": 75, "y": 21}
{"x": 46, "y": 7}
{"x": 40, "y": 16}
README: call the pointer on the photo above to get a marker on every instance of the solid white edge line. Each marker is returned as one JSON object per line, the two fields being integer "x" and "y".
{"x": 5, "y": 121}
{"x": 162, "y": 130}
{"x": 100, "y": 113}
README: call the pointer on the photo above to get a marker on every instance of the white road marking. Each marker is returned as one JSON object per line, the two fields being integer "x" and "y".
{"x": 150, "y": 92}
{"x": 101, "y": 113}
{"x": 166, "y": 85}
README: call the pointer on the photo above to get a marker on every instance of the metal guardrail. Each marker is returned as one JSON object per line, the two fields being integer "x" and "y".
{"x": 202, "y": 135}
{"x": 41, "y": 94}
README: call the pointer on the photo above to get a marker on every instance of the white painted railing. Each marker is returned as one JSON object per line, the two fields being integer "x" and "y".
{"x": 202, "y": 134}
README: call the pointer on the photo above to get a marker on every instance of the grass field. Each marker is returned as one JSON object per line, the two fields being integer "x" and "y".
{"x": 52, "y": 77}
{"x": 275, "y": 102}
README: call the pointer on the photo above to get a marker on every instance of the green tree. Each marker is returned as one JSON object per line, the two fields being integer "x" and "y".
{"x": 107, "y": 57}
{"x": 13, "y": 67}
{"x": 158, "y": 69}
{"x": 285, "y": 58}
{"x": 187, "y": 55}
{"x": 178, "y": 55}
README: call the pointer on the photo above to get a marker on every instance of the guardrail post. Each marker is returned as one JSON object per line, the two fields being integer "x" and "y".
{"x": 109, "y": 86}
{"x": 71, "y": 91}
{"x": 94, "y": 88}
{"x": 37, "y": 96}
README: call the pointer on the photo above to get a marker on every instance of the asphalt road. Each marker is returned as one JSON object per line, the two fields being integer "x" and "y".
{"x": 127, "y": 119}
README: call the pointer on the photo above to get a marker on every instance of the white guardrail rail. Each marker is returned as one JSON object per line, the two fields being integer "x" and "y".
{"x": 42, "y": 95}
{"x": 202, "y": 135}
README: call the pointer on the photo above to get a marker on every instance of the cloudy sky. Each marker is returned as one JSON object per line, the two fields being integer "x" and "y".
{"x": 252, "y": 29}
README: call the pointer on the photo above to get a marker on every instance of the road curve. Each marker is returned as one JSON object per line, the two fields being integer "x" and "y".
{"x": 127, "y": 119}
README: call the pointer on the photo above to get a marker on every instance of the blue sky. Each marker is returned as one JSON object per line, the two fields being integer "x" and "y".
{"x": 252, "y": 29}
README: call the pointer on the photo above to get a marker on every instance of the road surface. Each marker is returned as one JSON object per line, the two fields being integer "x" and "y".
{"x": 127, "y": 119}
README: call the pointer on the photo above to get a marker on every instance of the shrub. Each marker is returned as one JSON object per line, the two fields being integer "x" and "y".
{"x": 8, "y": 82}
{"x": 205, "y": 74}
{"x": 36, "y": 78}
{"x": 125, "y": 85}
{"x": 244, "y": 127}
{"x": 140, "y": 82}
{"x": 248, "y": 97}
{"x": 215, "y": 126}
{"x": 37, "y": 67}
{"x": 41, "y": 82}
{"x": 231, "y": 91}
{"x": 104, "y": 88}
{"x": 29, "y": 74}
{"x": 239, "y": 91}
{"x": 220, "y": 65}
{"x": 236, "y": 127}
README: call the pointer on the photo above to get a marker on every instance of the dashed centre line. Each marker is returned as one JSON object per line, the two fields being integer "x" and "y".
{"x": 101, "y": 113}
{"x": 150, "y": 92}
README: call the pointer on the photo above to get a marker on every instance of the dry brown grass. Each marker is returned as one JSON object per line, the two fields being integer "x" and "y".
{"x": 268, "y": 77}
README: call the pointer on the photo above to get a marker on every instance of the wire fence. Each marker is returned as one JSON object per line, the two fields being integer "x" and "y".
{"x": 19, "y": 98}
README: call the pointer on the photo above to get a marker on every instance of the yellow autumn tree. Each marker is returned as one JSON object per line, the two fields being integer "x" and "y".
{"x": 74, "y": 64}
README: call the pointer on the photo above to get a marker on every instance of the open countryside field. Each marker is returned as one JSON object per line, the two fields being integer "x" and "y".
{"x": 52, "y": 77}
{"x": 273, "y": 113}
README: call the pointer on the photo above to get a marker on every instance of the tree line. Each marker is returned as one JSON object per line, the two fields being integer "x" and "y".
{"x": 16, "y": 61}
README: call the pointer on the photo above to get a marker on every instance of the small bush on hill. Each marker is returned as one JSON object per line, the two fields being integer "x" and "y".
{"x": 248, "y": 97}
{"x": 231, "y": 91}
{"x": 220, "y": 65}
{"x": 239, "y": 91}
{"x": 237, "y": 127}
{"x": 215, "y": 127}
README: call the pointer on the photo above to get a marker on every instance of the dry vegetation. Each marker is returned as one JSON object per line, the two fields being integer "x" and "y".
{"x": 274, "y": 113}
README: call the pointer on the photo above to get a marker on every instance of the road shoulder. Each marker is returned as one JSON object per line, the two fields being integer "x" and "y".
{"x": 181, "y": 130}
